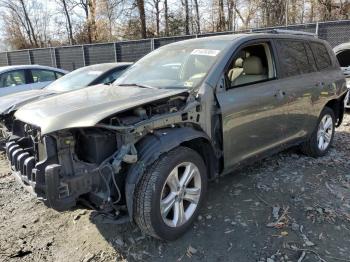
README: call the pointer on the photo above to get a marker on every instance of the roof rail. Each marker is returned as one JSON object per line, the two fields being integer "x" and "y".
{"x": 291, "y": 32}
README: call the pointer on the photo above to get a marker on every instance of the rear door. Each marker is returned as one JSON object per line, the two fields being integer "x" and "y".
{"x": 252, "y": 119}
{"x": 13, "y": 82}
{"x": 299, "y": 78}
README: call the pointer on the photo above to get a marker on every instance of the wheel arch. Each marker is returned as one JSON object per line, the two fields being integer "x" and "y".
{"x": 151, "y": 147}
{"x": 337, "y": 105}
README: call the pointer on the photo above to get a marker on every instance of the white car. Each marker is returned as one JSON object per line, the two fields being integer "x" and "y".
{"x": 343, "y": 55}
{"x": 19, "y": 78}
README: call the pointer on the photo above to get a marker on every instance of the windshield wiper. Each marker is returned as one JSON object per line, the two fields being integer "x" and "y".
{"x": 138, "y": 85}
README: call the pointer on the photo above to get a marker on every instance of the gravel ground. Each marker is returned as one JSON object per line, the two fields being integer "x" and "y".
{"x": 285, "y": 208}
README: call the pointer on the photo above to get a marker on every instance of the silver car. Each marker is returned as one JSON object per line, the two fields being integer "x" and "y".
{"x": 87, "y": 76}
{"x": 19, "y": 78}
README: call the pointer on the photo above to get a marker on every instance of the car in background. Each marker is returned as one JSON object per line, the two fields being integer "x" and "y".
{"x": 20, "y": 78}
{"x": 343, "y": 55}
{"x": 86, "y": 76}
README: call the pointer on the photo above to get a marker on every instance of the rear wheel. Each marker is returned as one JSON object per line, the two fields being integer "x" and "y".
{"x": 170, "y": 193}
{"x": 322, "y": 138}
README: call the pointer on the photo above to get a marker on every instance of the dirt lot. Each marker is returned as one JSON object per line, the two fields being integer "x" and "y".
{"x": 286, "y": 208}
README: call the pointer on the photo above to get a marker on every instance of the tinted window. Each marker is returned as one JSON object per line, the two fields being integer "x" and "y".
{"x": 321, "y": 55}
{"x": 294, "y": 58}
{"x": 13, "y": 78}
{"x": 344, "y": 58}
{"x": 59, "y": 75}
{"x": 42, "y": 75}
{"x": 112, "y": 76}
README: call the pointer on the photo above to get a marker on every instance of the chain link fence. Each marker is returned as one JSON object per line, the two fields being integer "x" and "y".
{"x": 73, "y": 57}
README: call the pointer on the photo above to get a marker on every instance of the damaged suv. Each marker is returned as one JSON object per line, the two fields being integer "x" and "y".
{"x": 182, "y": 115}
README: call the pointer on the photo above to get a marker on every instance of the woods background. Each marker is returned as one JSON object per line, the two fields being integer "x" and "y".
{"x": 43, "y": 23}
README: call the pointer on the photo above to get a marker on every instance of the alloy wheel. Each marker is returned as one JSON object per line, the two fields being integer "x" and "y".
{"x": 325, "y": 132}
{"x": 180, "y": 194}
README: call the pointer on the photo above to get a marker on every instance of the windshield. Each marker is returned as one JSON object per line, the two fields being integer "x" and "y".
{"x": 77, "y": 79}
{"x": 180, "y": 66}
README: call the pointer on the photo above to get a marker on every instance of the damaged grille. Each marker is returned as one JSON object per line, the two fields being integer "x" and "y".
{"x": 29, "y": 156}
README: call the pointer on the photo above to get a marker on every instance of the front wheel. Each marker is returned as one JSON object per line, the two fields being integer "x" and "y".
{"x": 170, "y": 194}
{"x": 322, "y": 137}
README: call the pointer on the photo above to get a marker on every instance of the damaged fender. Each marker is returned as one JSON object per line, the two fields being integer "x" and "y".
{"x": 150, "y": 149}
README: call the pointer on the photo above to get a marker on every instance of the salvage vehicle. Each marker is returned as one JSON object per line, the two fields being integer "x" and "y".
{"x": 343, "y": 55}
{"x": 145, "y": 147}
{"x": 14, "y": 79}
{"x": 86, "y": 76}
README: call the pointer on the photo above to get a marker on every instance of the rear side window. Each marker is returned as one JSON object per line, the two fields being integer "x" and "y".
{"x": 294, "y": 58}
{"x": 321, "y": 55}
{"x": 42, "y": 75}
{"x": 13, "y": 78}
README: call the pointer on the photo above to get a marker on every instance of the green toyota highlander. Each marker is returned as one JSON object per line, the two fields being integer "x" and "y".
{"x": 146, "y": 146}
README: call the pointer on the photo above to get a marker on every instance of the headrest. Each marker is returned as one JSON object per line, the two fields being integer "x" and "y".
{"x": 253, "y": 66}
{"x": 239, "y": 62}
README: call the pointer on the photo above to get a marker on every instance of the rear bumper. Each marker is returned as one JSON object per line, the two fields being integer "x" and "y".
{"x": 42, "y": 179}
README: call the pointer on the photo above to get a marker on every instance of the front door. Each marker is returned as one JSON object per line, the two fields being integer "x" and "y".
{"x": 252, "y": 106}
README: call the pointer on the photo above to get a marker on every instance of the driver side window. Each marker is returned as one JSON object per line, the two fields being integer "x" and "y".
{"x": 252, "y": 64}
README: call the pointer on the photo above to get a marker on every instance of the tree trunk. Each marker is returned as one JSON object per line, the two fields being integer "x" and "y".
{"x": 166, "y": 17}
{"x": 187, "y": 18}
{"x": 70, "y": 30}
{"x": 141, "y": 8}
{"x": 222, "y": 22}
{"x": 198, "y": 26}
{"x": 29, "y": 22}
{"x": 92, "y": 20}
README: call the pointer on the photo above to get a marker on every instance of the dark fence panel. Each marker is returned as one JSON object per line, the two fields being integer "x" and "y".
{"x": 19, "y": 58}
{"x": 131, "y": 51}
{"x": 335, "y": 33}
{"x": 70, "y": 58}
{"x": 100, "y": 53}
{"x": 42, "y": 57}
{"x": 3, "y": 59}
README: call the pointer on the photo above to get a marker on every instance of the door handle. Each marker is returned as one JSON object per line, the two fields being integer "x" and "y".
{"x": 280, "y": 94}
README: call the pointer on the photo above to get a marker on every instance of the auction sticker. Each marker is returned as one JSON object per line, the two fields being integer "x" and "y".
{"x": 206, "y": 52}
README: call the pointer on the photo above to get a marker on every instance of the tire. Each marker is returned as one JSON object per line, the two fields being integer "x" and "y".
{"x": 312, "y": 146}
{"x": 157, "y": 185}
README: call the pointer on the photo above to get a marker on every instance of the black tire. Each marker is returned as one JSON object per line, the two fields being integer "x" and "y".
{"x": 147, "y": 213}
{"x": 310, "y": 147}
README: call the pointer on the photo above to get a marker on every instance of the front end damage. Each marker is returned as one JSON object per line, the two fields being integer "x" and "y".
{"x": 94, "y": 163}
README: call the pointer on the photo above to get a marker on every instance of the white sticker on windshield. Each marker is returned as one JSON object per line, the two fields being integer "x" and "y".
{"x": 94, "y": 73}
{"x": 207, "y": 52}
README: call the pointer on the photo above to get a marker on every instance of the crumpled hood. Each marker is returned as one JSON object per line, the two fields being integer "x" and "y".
{"x": 88, "y": 106}
{"x": 14, "y": 101}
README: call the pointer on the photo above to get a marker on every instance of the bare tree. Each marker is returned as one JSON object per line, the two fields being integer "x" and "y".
{"x": 67, "y": 10}
{"x": 198, "y": 22}
{"x": 141, "y": 8}
{"x": 187, "y": 17}
{"x": 166, "y": 17}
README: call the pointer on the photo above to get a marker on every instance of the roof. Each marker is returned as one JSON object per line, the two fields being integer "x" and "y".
{"x": 16, "y": 67}
{"x": 106, "y": 66}
{"x": 341, "y": 47}
{"x": 250, "y": 36}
